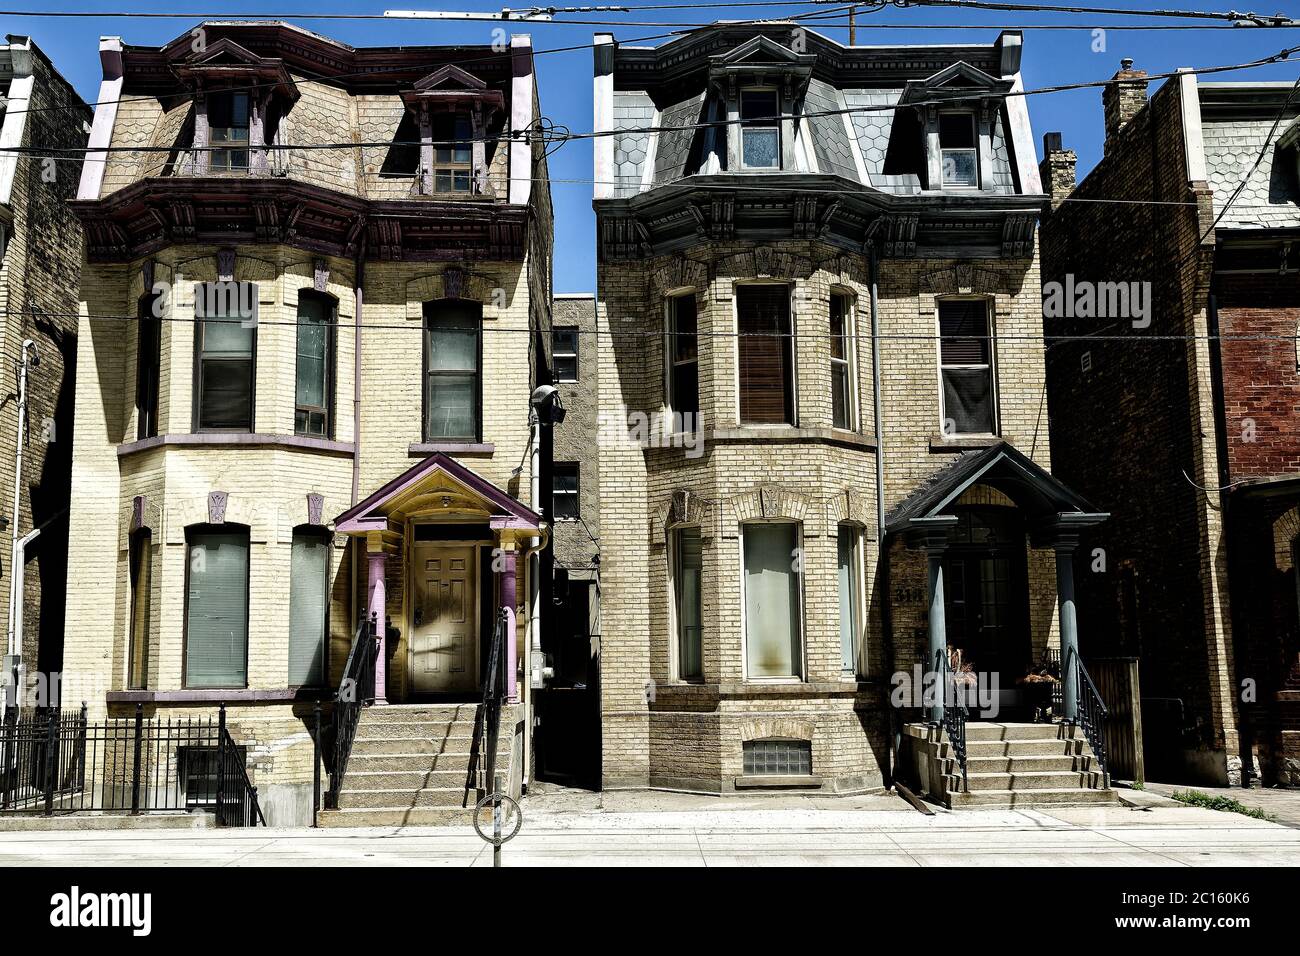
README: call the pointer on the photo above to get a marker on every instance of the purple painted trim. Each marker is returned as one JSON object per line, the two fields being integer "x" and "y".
{"x": 237, "y": 439}
{"x": 361, "y": 517}
{"x": 205, "y": 696}
{"x": 496, "y": 524}
{"x": 421, "y": 449}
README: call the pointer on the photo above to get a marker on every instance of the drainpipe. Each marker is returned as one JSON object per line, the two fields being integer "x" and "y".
{"x": 14, "y": 649}
{"x": 533, "y": 632}
{"x": 359, "y": 269}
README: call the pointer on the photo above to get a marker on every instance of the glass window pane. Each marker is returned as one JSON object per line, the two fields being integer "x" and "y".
{"x": 960, "y": 167}
{"x": 216, "y": 622}
{"x": 968, "y": 400}
{"x": 687, "y": 577}
{"x": 760, "y": 147}
{"x": 453, "y": 341}
{"x": 840, "y": 395}
{"x": 848, "y": 582}
{"x": 451, "y": 406}
{"x": 772, "y": 612}
{"x": 685, "y": 325}
{"x": 308, "y": 607}
{"x": 227, "y": 337}
{"x": 226, "y": 398}
{"x": 758, "y": 104}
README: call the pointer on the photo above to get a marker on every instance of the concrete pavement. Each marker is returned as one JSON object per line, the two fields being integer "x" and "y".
{"x": 875, "y": 832}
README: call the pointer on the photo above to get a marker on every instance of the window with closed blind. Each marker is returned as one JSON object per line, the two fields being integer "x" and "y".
{"x": 966, "y": 367}
{"x": 688, "y": 567}
{"x": 309, "y": 565}
{"x": 766, "y": 354}
{"x": 216, "y": 606}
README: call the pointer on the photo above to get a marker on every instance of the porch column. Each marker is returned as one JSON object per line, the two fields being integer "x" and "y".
{"x": 509, "y": 599}
{"x": 1069, "y": 628}
{"x": 931, "y": 534}
{"x": 378, "y": 602}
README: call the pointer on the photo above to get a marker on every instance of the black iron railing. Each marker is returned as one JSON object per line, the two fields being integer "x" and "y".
{"x": 356, "y": 690}
{"x": 954, "y": 711}
{"x": 1091, "y": 711}
{"x": 487, "y": 722}
{"x": 58, "y": 762}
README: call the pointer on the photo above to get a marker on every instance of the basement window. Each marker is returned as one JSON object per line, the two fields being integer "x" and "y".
{"x": 774, "y": 756}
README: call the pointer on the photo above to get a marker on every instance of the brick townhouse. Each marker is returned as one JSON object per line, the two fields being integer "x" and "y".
{"x": 1193, "y": 439}
{"x": 314, "y": 307}
{"x": 823, "y": 457}
{"x": 40, "y": 256}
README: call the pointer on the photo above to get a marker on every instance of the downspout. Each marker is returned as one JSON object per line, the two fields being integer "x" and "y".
{"x": 882, "y": 555}
{"x": 17, "y": 572}
{"x": 532, "y": 563}
{"x": 358, "y": 302}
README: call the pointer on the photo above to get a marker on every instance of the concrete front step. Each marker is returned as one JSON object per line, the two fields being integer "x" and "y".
{"x": 370, "y": 746}
{"x": 994, "y": 799}
{"x": 361, "y": 777}
{"x": 356, "y": 799}
{"x": 395, "y": 817}
{"x": 1028, "y": 764}
{"x": 432, "y": 729}
{"x": 1054, "y": 780}
{"x": 406, "y": 713}
{"x": 1044, "y": 747}
{"x": 417, "y": 762}
{"x": 983, "y": 731}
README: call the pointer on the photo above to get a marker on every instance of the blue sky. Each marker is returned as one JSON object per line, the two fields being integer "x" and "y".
{"x": 1052, "y": 57}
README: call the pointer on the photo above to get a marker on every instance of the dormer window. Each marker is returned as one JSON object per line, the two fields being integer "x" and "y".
{"x": 760, "y": 134}
{"x": 453, "y": 153}
{"x": 958, "y": 150}
{"x": 228, "y": 132}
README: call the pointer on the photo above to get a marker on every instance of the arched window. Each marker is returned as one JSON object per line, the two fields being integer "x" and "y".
{"x": 451, "y": 370}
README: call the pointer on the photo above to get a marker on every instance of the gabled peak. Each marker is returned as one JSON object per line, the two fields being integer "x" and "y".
{"x": 450, "y": 77}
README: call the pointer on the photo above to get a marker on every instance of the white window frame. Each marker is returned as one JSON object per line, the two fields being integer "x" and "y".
{"x": 791, "y": 287}
{"x": 990, "y": 313}
{"x": 575, "y": 354}
{"x": 850, "y": 357}
{"x": 749, "y": 124}
{"x": 576, "y": 494}
{"x": 973, "y": 150}
{"x": 670, "y": 362}
{"x": 800, "y": 667}
{"x": 858, "y": 596}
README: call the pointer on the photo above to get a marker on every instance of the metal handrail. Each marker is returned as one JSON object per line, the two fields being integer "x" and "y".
{"x": 356, "y": 689}
{"x": 487, "y": 722}
{"x": 1091, "y": 712}
{"x": 232, "y": 781}
{"x": 954, "y": 712}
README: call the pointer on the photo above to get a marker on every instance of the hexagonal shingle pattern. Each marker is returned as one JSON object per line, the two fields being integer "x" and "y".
{"x": 674, "y": 145}
{"x": 1231, "y": 147}
{"x": 831, "y": 143}
{"x": 632, "y": 110}
{"x": 872, "y": 127}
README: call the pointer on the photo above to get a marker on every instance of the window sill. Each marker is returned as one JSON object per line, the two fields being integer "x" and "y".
{"x": 205, "y": 695}
{"x": 948, "y": 443}
{"x": 422, "y": 449}
{"x": 236, "y": 440}
{"x": 776, "y": 781}
{"x": 788, "y": 434}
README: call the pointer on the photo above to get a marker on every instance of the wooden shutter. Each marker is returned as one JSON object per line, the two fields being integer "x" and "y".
{"x": 765, "y": 350}
{"x": 216, "y": 610}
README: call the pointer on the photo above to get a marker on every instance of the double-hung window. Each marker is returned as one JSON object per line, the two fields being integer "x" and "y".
{"x": 148, "y": 366}
{"x": 309, "y": 563}
{"x": 766, "y": 354}
{"x": 453, "y": 153}
{"x": 966, "y": 367}
{"x": 683, "y": 362}
{"x": 451, "y": 363}
{"x": 216, "y": 607}
{"x": 314, "y": 375}
{"x": 564, "y": 353}
{"x": 227, "y": 346}
{"x": 688, "y": 564}
{"x": 957, "y": 150}
{"x": 564, "y": 490}
{"x": 842, "y": 352}
{"x": 760, "y": 129}
{"x": 228, "y": 132}
{"x": 773, "y": 600}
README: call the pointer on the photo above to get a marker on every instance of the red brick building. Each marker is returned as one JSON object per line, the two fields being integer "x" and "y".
{"x": 1189, "y": 409}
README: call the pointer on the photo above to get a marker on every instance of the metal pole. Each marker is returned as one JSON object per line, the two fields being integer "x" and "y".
{"x": 496, "y": 821}
{"x": 315, "y": 769}
{"x": 938, "y": 643}
{"x": 135, "y": 768}
{"x": 1069, "y": 633}
{"x": 853, "y": 25}
{"x": 221, "y": 758}
{"x": 51, "y": 743}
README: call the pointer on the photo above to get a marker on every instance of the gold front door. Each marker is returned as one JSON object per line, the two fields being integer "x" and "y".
{"x": 444, "y": 637}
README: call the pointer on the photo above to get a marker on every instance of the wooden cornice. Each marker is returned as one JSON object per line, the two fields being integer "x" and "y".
{"x": 155, "y": 213}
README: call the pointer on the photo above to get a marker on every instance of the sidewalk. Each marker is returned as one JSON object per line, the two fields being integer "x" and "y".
{"x": 642, "y": 829}
{"x": 1283, "y": 805}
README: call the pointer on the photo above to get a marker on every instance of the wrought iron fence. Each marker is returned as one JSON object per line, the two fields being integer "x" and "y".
{"x": 954, "y": 715}
{"x": 356, "y": 690}
{"x": 57, "y": 762}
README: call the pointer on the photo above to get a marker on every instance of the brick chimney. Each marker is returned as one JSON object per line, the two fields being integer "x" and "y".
{"x": 1122, "y": 97}
{"x": 1057, "y": 169}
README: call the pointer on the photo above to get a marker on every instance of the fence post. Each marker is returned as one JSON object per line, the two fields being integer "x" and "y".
{"x": 135, "y": 762}
{"x": 315, "y": 769}
{"x": 221, "y": 758}
{"x": 9, "y": 757}
{"x": 51, "y": 762}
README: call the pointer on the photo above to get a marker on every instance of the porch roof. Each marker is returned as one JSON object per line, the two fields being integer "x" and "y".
{"x": 1047, "y": 503}
{"x": 439, "y": 483}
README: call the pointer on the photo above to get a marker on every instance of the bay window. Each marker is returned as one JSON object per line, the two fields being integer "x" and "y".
{"x": 140, "y": 563}
{"x": 308, "y": 606}
{"x": 766, "y": 354}
{"x": 842, "y": 353}
{"x": 216, "y": 607}
{"x": 773, "y": 600}
{"x": 683, "y": 362}
{"x": 226, "y": 348}
{"x": 148, "y": 366}
{"x": 688, "y": 561}
{"x": 850, "y": 590}
{"x": 314, "y": 374}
